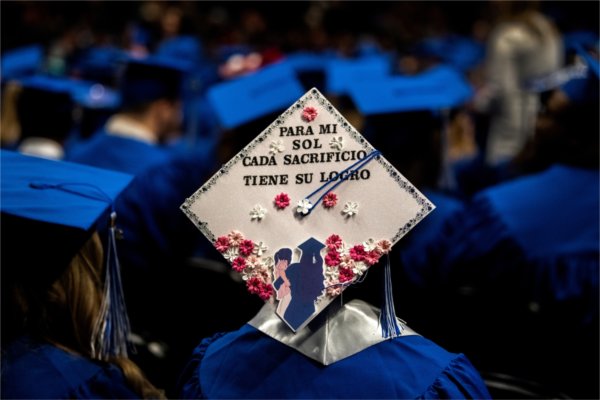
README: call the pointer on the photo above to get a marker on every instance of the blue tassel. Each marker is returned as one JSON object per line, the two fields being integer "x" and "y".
{"x": 389, "y": 323}
{"x": 111, "y": 331}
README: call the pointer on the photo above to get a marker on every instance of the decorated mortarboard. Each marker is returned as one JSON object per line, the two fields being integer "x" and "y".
{"x": 438, "y": 88}
{"x": 245, "y": 99}
{"x": 49, "y": 210}
{"x": 341, "y": 73}
{"x": 305, "y": 209}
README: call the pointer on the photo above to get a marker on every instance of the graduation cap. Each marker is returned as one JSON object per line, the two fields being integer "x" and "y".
{"x": 460, "y": 52}
{"x": 45, "y": 107}
{"x": 340, "y": 73}
{"x": 305, "y": 209}
{"x": 248, "y": 98}
{"x": 401, "y": 111}
{"x": 147, "y": 79}
{"x": 49, "y": 210}
{"x": 21, "y": 62}
{"x": 437, "y": 88}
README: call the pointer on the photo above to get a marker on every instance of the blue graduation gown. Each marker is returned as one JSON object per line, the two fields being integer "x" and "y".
{"x": 117, "y": 153}
{"x": 38, "y": 370}
{"x": 539, "y": 233}
{"x": 249, "y": 364}
{"x": 515, "y": 274}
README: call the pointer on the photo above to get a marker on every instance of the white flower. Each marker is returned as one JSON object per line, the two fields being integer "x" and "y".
{"x": 337, "y": 143}
{"x": 268, "y": 262}
{"x": 231, "y": 254}
{"x": 276, "y": 146}
{"x": 350, "y": 209}
{"x": 258, "y": 212}
{"x": 370, "y": 245}
{"x": 359, "y": 268}
{"x": 259, "y": 248}
{"x": 303, "y": 207}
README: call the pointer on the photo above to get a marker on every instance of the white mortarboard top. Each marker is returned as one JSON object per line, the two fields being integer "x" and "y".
{"x": 305, "y": 209}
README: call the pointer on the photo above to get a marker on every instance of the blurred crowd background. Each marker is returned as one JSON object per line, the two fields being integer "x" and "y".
{"x": 178, "y": 287}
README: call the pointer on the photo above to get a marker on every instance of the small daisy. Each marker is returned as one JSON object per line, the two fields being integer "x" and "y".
{"x": 259, "y": 248}
{"x": 231, "y": 254}
{"x": 303, "y": 207}
{"x": 276, "y": 146}
{"x": 330, "y": 200}
{"x": 336, "y": 143}
{"x": 309, "y": 114}
{"x": 282, "y": 200}
{"x": 258, "y": 213}
{"x": 350, "y": 209}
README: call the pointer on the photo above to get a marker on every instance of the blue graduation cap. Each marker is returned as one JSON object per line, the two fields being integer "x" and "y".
{"x": 151, "y": 78}
{"x": 184, "y": 47}
{"x": 303, "y": 61}
{"x": 460, "y": 52}
{"x": 49, "y": 210}
{"x": 341, "y": 73}
{"x": 21, "y": 62}
{"x": 245, "y": 99}
{"x": 99, "y": 64}
{"x": 584, "y": 88}
{"x": 438, "y": 88}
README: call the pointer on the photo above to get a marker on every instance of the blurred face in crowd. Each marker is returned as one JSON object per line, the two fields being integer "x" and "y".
{"x": 168, "y": 117}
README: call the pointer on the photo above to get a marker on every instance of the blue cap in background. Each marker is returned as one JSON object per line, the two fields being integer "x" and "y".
{"x": 271, "y": 89}
{"x": 438, "y": 88}
{"x": 21, "y": 62}
{"x": 148, "y": 79}
{"x": 461, "y": 52}
{"x": 50, "y": 208}
{"x": 584, "y": 88}
{"x": 342, "y": 73}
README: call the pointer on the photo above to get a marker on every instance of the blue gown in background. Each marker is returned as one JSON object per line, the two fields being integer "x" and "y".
{"x": 512, "y": 280}
{"x": 249, "y": 364}
{"x": 38, "y": 370}
{"x": 117, "y": 153}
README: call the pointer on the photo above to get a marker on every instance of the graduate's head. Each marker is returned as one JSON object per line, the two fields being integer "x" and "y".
{"x": 151, "y": 91}
{"x": 567, "y": 128}
{"x": 45, "y": 108}
{"x": 53, "y": 265}
{"x": 51, "y": 256}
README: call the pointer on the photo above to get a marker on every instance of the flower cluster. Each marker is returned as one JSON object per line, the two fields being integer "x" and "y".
{"x": 346, "y": 264}
{"x": 309, "y": 114}
{"x": 244, "y": 256}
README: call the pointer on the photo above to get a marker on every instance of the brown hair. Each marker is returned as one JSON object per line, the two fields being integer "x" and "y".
{"x": 65, "y": 314}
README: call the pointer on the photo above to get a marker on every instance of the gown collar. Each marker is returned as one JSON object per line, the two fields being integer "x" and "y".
{"x": 338, "y": 332}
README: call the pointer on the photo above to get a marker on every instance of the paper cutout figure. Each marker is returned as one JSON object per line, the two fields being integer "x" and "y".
{"x": 306, "y": 283}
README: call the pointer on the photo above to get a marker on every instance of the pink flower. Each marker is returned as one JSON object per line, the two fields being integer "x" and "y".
{"x": 239, "y": 264}
{"x": 333, "y": 242}
{"x": 309, "y": 114}
{"x": 246, "y": 247}
{"x": 262, "y": 289}
{"x": 332, "y": 258}
{"x": 384, "y": 246}
{"x": 333, "y": 291}
{"x": 282, "y": 200}
{"x": 372, "y": 257}
{"x": 235, "y": 238}
{"x": 222, "y": 244}
{"x": 330, "y": 200}
{"x": 358, "y": 252}
{"x": 346, "y": 274}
